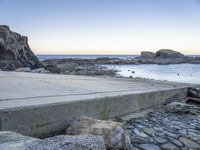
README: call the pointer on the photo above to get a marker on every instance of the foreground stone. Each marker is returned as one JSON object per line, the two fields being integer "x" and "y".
{"x": 179, "y": 107}
{"x": 164, "y": 130}
{"x": 40, "y": 70}
{"x": 64, "y": 142}
{"x": 115, "y": 136}
{"x": 15, "y": 51}
{"x": 15, "y": 141}
{"x": 24, "y": 69}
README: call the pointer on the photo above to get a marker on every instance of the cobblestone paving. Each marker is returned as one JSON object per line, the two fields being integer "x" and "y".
{"x": 166, "y": 131}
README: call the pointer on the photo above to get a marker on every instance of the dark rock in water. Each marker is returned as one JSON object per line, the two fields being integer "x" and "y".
{"x": 15, "y": 51}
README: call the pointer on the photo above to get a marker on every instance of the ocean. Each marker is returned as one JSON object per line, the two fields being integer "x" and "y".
{"x": 45, "y": 57}
{"x": 185, "y": 73}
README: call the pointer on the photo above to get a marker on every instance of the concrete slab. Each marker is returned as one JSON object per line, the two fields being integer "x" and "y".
{"x": 43, "y": 104}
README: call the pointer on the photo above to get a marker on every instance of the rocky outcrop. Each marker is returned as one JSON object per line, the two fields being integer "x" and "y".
{"x": 168, "y": 53}
{"x": 115, "y": 136}
{"x": 15, "y": 51}
{"x": 165, "y": 56}
{"x": 71, "y": 66}
{"x": 15, "y": 141}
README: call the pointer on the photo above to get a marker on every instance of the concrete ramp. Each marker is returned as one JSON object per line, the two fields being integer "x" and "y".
{"x": 44, "y": 104}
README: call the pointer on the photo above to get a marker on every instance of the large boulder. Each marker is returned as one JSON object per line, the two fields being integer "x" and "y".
{"x": 179, "y": 107}
{"x": 168, "y": 53}
{"x": 115, "y": 136}
{"x": 70, "y": 142}
{"x": 15, "y": 51}
{"x": 15, "y": 141}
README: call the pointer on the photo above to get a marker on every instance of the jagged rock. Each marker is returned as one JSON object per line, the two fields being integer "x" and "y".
{"x": 67, "y": 142}
{"x": 40, "y": 70}
{"x": 15, "y": 141}
{"x": 24, "y": 69}
{"x": 15, "y": 51}
{"x": 194, "y": 92}
{"x": 115, "y": 136}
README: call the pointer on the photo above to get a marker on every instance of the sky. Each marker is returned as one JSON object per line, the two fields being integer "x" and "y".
{"x": 105, "y": 26}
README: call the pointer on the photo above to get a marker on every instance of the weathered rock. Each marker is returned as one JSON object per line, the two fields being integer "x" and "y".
{"x": 164, "y": 56}
{"x": 146, "y": 54}
{"x": 115, "y": 136}
{"x": 65, "y": 142}
{"x": 14, "y": 141}
{"x": 169, "y": 146}
{"x": 24, "y": 69}
{"x": 181, "y": 108}
{"x": 189, "y": 143}
{"x": 87, "y": 67}
{"x": 194, "y": 92}
{"x": 40, "y": 70}
{"x": 149, "y": 147}
{"x": 15, "y": 51}
{"x": 168, "y": 53}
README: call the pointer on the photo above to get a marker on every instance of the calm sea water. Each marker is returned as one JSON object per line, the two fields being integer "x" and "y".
{"x": 45, "y": 57}
{"x": 185, "y": 73}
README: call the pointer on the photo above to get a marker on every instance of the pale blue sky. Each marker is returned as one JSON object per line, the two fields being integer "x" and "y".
{"x": 105, "y": 26}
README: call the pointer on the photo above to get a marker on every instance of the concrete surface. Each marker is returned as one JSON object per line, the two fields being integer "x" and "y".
{"x": 44, "y": 104}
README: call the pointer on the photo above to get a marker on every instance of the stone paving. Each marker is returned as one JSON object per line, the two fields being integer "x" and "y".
{"x": 162, "y": 130}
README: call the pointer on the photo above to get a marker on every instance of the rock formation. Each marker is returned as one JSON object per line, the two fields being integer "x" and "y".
{"x": 15, "y": 51}
{"x": 165, "y": 56}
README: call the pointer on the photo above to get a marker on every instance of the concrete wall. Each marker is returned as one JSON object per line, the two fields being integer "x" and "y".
{"x": 45, "y": 120}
